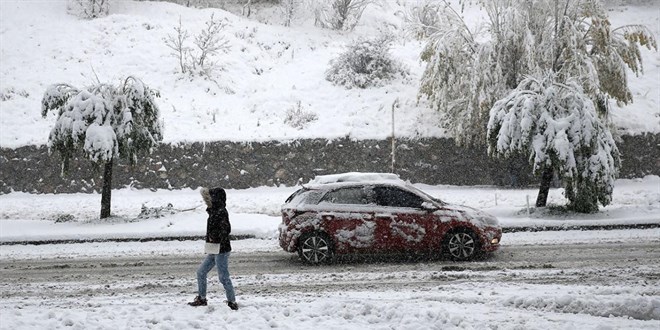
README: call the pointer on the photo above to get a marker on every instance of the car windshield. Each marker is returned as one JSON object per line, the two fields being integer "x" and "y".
{"x": 422, "y": 193}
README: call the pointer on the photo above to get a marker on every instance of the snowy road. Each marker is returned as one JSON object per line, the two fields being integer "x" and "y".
{"x": 587, "y": 286}
{"x": 266, "y": 271}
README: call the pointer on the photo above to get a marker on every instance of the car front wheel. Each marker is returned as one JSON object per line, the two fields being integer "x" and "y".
{"x": 461, "y": 245}
{"x": 315, "y": 248}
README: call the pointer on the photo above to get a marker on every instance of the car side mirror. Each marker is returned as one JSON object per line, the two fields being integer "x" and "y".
{"x": 428, "y": 206}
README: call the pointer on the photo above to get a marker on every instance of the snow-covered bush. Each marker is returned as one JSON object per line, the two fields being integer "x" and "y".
{"x": 156, "y": 212}
{"x": 88, "y": 8}
{"x": 209, "y": 42}
{"x": 64, "y": 217}
{"x": 366, "y": 62}
{"x": 104, "y": 122}
{"x": 342, "y": 15}
{"x": 298, "y": 117}
{"x": 10, "y": 92}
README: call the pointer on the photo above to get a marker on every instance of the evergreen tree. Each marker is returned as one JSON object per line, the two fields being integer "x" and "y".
{"x": 104, "y": 122}
{"x": 545, "y": 57}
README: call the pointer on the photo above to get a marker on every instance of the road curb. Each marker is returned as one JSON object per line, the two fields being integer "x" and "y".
{"x": 241, "y": 237}
{"x": 582, "y": 228}
{"x": 119, "y": 240}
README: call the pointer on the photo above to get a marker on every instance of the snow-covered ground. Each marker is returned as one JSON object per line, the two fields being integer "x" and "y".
{"x": 595, "y": 279}
{"x": 267, "y": 71}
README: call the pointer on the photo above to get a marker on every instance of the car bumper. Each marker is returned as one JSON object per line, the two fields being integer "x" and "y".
{"x": 286, "y": 238}
{"x": 492, "y": 236}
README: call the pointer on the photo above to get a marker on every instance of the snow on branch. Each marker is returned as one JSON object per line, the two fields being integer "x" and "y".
{"x": 55, "y": 97}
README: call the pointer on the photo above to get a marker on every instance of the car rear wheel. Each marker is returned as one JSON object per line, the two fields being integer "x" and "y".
{"x": 461, "y": 245}
{"x": 315, "y": 248}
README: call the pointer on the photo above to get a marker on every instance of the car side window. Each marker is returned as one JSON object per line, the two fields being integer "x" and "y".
{"x": 349, "y": 195}
{"x": 395, "y": 197}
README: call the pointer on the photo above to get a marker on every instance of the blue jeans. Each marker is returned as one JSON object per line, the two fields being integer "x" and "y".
{"x": 220, "y": 261}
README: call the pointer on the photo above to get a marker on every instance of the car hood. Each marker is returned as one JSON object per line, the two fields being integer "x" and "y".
{"x": 475, "y": 216}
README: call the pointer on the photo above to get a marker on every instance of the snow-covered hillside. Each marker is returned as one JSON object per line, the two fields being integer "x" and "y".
{"x": 268, "y": 70}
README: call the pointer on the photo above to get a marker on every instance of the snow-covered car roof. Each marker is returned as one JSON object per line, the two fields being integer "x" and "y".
{"x": 355, "y": 177}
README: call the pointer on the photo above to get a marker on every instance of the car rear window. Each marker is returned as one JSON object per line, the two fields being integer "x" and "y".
{"x": 304, "y": 196}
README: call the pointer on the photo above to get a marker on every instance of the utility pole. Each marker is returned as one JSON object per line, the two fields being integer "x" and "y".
{"x": 394, "y": 106}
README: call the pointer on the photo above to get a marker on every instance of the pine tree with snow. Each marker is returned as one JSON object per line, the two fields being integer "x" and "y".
{"x": 554, "y": 62}
{"x": 104, "y": 122}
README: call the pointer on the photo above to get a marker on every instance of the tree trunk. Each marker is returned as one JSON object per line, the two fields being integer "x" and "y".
{"x": 106, "y": 190}
{"x": 546, "y": 180}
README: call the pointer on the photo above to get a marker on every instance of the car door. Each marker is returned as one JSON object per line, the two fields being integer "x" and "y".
{"x": 348, "y": 216}
{"x": 407, "y": 222}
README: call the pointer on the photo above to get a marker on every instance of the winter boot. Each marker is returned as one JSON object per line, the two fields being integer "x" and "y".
{"x": 233, "y": 305}
{"x": 199, "y": 301}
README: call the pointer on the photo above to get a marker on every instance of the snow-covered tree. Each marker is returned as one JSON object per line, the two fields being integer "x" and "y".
{"x": 557, "y": 125}
{"x": 88, "y": 8}
{"x": 365, "y": 63}
{"x": 209, "y": 42}
{"x": 423, "y": 18}
{"x": 572, "y": 42}
{"x": 104, "y": 122}
{"x": 289, "y": 9}
{"x": 342, "y": 15}
{"x": 459, "y": 80}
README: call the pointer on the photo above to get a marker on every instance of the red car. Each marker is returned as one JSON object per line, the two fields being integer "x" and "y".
{"x": 376, "y": 213}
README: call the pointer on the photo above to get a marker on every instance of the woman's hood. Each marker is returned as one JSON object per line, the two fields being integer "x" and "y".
{"x": 214, "y": 197}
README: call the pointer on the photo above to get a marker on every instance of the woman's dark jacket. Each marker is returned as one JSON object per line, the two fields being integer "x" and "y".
{"x": 217, "y": 225}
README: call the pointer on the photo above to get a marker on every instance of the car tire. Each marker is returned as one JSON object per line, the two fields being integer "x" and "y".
{"x": 315, "y": 248}
{"x": 461, "y": 245}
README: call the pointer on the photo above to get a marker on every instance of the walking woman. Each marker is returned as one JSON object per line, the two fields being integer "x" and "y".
{"x": 217, "y": 247}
